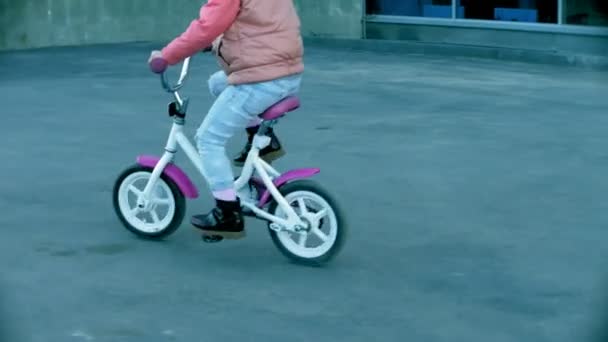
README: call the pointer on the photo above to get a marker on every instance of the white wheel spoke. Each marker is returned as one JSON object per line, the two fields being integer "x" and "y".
{"x": 135, "y": 211}
{"x": 135, "y": 190}
{"x": 321, "y": 214}
{"x": 302, "y": 206}
{"x": 320, "y": 234}
{"x": 154, "y": 215}
{"x": 162, "y": 201}
{"x": 312, "y": 209}
{"x": 302, "y": 240}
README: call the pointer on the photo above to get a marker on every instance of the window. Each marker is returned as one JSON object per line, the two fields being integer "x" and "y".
{"x": 568, "y": 12}
{"x": 543, "y": 11}
{"x": 412, "y": 8}
{"x": 531, "y": 11}
{"x": 586, "y": 12}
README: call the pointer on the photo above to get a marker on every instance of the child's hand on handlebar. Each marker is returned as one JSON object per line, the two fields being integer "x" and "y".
{"x": 157, "y": 63}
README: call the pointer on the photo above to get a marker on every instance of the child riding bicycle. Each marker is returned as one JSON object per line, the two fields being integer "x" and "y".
{"x": 260, "y": 51}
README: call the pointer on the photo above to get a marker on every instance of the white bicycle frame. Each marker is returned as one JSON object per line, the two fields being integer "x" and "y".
{"x": 253, "y": 163}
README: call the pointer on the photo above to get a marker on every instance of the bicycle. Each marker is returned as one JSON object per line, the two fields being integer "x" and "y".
{"x": 296, "y": 209}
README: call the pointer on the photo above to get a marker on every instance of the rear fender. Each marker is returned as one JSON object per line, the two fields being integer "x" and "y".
{"x": 281, "y": 180}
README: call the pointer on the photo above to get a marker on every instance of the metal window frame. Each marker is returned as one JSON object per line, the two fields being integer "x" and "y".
{"x": 559, "y": 27}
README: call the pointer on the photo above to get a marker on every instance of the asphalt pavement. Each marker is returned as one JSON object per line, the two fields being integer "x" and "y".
{"x": 475, "y": 191}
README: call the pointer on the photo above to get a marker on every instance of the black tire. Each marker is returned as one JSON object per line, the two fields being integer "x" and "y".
{"x": 342, "y": 225}
{"x": 180, "y": 204}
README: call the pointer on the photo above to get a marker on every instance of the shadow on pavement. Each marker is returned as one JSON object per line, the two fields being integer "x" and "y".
{"x": 9, "y": 324}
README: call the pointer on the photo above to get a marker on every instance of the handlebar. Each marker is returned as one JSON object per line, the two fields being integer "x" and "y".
{"x": 159, "y": 66}
{"x": 182, "y": 77}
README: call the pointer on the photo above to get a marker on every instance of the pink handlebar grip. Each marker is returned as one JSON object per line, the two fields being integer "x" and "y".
{"x": 158, "y": 65}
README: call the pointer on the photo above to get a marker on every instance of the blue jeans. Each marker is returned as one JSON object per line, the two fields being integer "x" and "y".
{"x": 235, "y": 106}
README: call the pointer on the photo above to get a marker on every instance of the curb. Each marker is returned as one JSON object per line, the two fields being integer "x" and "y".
{"x": 584, "y": 61}
{"x": 593, "y": 62}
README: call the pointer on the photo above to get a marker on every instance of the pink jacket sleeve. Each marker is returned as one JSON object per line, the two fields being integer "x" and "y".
{"x": 216, "y": 16}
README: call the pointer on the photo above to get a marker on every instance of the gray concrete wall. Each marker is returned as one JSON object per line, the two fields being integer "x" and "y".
{"x": 39, "y": 23}
{"x": 331, "y": 18}
{"x": 487, "y": 37}
{"x": 587, "y": 49}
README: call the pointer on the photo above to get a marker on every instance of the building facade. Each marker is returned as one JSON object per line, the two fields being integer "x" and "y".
{"x": 569, "y": 27}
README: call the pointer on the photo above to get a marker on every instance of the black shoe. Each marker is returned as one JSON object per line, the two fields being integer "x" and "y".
{"x": 225, "y": 220}
{"x": 269, "y": 153}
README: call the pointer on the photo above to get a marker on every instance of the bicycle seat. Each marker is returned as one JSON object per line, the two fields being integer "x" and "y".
{"x": 281, "y": 108}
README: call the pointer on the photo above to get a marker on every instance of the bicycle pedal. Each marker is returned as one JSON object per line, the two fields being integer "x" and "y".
{"x": 212, "y": 238}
